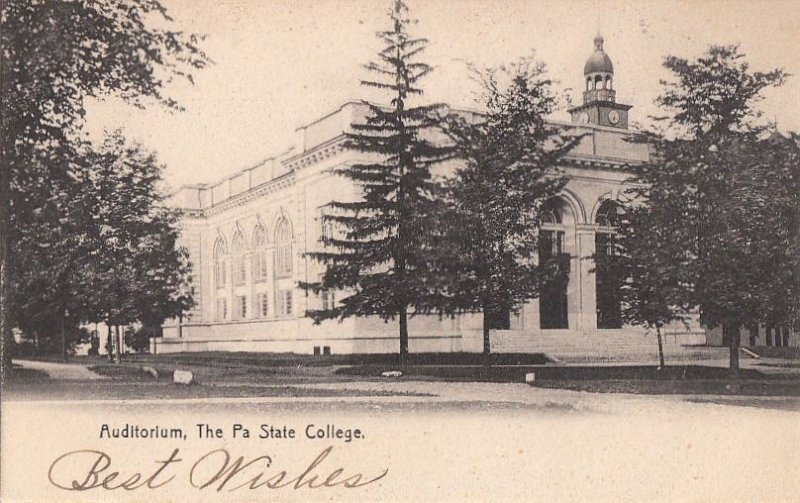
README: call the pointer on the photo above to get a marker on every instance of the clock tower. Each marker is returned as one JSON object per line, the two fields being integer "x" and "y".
{"x": 599, "y": 107}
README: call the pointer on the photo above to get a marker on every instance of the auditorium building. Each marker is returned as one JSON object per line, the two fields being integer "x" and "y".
{"x": 248, "y": 234}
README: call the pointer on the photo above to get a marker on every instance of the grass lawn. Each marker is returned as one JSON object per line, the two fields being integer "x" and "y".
{"x": 265, "y": 374}
{"x": 22, "y": 375}
{"x": 293, "y": 359}
{"x": 746, "y": 387}
{"x": 639, "y": 379}
{"x": 675, "y": 380}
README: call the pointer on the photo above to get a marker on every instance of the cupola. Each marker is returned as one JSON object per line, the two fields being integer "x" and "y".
{"x": 599, "y": 96}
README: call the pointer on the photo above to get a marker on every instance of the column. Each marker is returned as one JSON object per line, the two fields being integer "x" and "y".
{"x": 229, "y": 285}
{"x": 572, "y": 247}
{"x": 586, "y": 277}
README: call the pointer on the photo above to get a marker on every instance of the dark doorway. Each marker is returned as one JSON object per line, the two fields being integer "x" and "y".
{"x": 553, "y": 298}
{"x": 609, "y": 309}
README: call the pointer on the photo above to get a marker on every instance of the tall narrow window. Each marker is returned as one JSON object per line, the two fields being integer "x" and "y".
{"x": 283, "y": 248}
{"x": 553, "y": 313}
{"x": 263, "y": 306}
{"x": 220, "y": 250}
{"x": 609, "y": 312}
{"x": 241, "y": 306}
{"x": 286, "y": 302}
{"x": 259, "y": 254}
{"x": 222, "y": 309}
{"x": 327, "y": 228}
{"x": 239, "y": 260}
{"x": 328, "y": 300}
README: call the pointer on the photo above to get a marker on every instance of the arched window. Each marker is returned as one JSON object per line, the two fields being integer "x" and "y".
{"x": 551, "y": 235}
{"x": 239, "y": 260}
{"x": 609, "y": 312}
{"x": 608, "y": 214}
{"x": 283, "y": 248}
{"x": 588, "y": 83}
{"x": 608, "y": 82}
{"x": 260, "y": 254}
{"x": 598, "y": 82}
{"x": 220, "y": 251}
{"x": 553, "y": 297}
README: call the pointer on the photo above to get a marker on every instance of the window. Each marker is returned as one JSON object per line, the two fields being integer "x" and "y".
{"x": 222, "y": 309}
{"x": 260, "y": 254}
{"x": 263, "y": 306}
{"x": 220, "y": 250}
{"x": 239, "y": 264}
{"x": 327, "y": 228}
{"x": 283, "y": 250}
{"x": 241, "y": 306}
{"x": 609, "y": 311}
{"x": 286, "y": 302}
{"x": 328, "y": 300}
{"x": 553, "y": 297}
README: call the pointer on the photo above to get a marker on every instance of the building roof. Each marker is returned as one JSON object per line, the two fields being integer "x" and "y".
{"x": 599, "y": 60}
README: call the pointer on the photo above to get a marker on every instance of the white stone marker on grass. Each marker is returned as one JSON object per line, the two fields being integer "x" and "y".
{"x": 182, "y": 377}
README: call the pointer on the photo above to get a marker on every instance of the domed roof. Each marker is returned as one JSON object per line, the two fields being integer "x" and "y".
{"x": 599, "y": 60}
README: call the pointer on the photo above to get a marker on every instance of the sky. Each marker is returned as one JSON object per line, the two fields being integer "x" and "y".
{"x": 280, "y": 64}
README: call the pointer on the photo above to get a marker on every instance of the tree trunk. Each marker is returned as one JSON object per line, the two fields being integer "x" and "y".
{"x": 109, "y": 343}
{"x": 733, "y": 344}
{"x": 63, "y": 338}
{"x": 487, "y": 343}
{"x": 6, "y": 335}
{"x": 403, "y": 335}
{"x": 660, "y": 349}
{"x": 119, "y": 343}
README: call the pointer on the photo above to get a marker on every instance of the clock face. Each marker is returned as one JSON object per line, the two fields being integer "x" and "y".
{"x": 613, "y": 117}
{"x": 584, "y": 118}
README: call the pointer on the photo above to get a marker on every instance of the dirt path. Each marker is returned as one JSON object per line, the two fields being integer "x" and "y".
{"x": 61, "y": 371}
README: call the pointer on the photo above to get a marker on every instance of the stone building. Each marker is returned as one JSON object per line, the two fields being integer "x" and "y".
{"x": 247, "y": 235}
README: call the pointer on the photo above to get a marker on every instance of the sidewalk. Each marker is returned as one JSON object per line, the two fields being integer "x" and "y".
{"x": 61, "y": 371}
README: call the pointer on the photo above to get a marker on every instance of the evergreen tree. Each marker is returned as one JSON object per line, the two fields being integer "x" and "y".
{"x": 511, "y": 158}
{"x": 707, "y": 192}
{"x": 379, "y": 253}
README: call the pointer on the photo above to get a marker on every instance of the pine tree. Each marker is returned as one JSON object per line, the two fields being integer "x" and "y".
{"x": 511, "y": 158}
{"x": 378, "y": 254}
